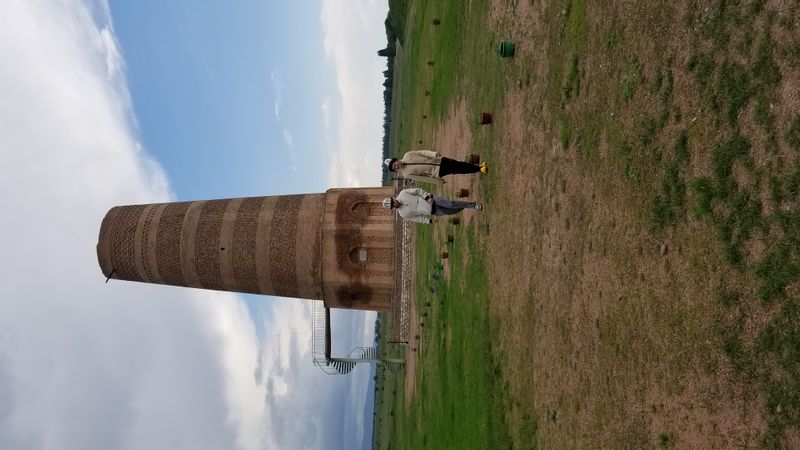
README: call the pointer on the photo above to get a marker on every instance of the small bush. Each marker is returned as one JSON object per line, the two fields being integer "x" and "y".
{"x": 704, "y": 191}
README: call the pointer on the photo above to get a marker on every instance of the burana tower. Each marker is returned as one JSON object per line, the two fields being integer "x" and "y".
{"x": 337, "y": 247}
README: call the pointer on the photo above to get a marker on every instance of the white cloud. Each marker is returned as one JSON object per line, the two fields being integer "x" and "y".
{"x": 278, "y": 86}
{"x": 85, "y": 365}
{"x": 287, "y": 138}
{"x": 88, "y": 365}
{"x": 109, "y": 47}
{"x": 326, "y": 112}
{"x": 277, "y": 91}
{"x": 289, "y": 141}
{"x": 355, "y": 419}
{"x": 305, "y": 407}
{"x": 353, "y": 33}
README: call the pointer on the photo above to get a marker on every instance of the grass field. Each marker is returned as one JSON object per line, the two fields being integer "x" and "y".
{"x": 634, "y": 281}
{"x": 458, "y": 380}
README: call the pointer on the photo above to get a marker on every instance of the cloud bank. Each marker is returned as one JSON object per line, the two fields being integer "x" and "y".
{"x": 353, "y": 33}
{"x": 84, "y": 365}
{"x": 88, "y": 365}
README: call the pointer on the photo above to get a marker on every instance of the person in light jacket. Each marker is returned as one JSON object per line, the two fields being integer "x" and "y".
{"x": 416, "y": 205}
{"x": 429, "y": 167}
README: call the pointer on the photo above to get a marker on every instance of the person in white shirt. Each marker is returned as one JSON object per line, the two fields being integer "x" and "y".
{"x": 419, "y": 206}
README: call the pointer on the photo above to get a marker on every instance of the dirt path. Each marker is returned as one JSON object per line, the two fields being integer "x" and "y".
{"x": 412, "y": 347}
{"x": 452, "y": 138}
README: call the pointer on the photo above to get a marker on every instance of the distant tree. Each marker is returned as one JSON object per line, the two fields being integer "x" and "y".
{"x": 387, "y": 52}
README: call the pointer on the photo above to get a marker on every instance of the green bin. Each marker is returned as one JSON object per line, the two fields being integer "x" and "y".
{"x": 506, "y": 49}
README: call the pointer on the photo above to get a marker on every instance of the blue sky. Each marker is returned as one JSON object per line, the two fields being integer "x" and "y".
{"x": 229, "y": 98}
{"x": 120, "y": 102}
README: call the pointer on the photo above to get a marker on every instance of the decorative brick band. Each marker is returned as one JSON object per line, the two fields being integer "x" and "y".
{"x": 104, "y": 241}
{"x": 206, "y": 244}
{"x": 148, "y": 246}
{"x": 381, "y": 256}
{"x": 346, "y": 208}
{"x": 282, "y": 245}
{"x": 226, "y": 261}
{"x": 145, "y": 241}
{"x": 168, "y": 244}
{"x": 244, "y": 245}
{"x": 121, "y": 243}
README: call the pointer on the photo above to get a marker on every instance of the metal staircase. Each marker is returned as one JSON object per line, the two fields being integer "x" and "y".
{"x": 321, "y": 347}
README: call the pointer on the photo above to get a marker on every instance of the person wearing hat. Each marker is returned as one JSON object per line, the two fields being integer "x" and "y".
{"x": 416, "y": 205}
{"x": 429, "y": 167}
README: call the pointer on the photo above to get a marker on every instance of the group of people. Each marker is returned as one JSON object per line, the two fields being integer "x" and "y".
{"x": 416, "y": 204}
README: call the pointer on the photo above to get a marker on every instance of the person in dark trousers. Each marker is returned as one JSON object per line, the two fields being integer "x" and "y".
{"x": 429, "y": 167}
{"x": 417, "y": 205}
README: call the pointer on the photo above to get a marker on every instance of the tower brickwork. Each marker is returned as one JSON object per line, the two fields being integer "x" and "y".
{"x": 336, "y": 247}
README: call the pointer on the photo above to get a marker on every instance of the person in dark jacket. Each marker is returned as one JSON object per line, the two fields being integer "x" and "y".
{"x": 429, "y": 167}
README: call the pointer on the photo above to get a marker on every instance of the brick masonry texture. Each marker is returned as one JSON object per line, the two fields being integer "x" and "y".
{"x": 206, "y": 244}
{"x": 301, "y": 246}
{"x": 282, "y": 246}
{"x": 148, "y": 222}
{"x": 168, "y": 244}
{"x": 121, "y": 246}
{"x": 244, "y": 244}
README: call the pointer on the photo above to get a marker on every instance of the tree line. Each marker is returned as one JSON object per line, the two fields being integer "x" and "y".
{"x": 388, "y": 52}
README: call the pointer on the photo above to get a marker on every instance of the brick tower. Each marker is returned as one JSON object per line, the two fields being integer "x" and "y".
{"x": 337, "y": 247}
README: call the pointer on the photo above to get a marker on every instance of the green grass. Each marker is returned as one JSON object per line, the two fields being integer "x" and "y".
{"x": 734, "y": 66}
{"x": 461, "y": 397}
{"x": 704, "y": 196}
{"x": 764, "y": 69}
{"x": 572, "y": 86}
{"x": 729, "y": 197}
{"x": 777, "y": 270}
{"x": 666, "y": 440}
{"x": 733, "y": 89}
{"x": 702, "y": 67}
{"x": 666, "y": 92}
{"x": 771, "y": 362}
{"x": 446, "y": 51}
{"x": 723, "y": 157}
{"x": 577, "y": 32}
{"x": 792, "y": 53}
{"x": 646, "y": 130}
{"x": 691, "y": 147}
{"x": 793, "y": 134}
{"x": 460, "y": 401}
{"x": 389, "y": 388}
{"x": 668, "y": 206}
{"x": 736, "y": 214}
{"x": 631, "y": 78}
{"x": 564, "y": 134}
